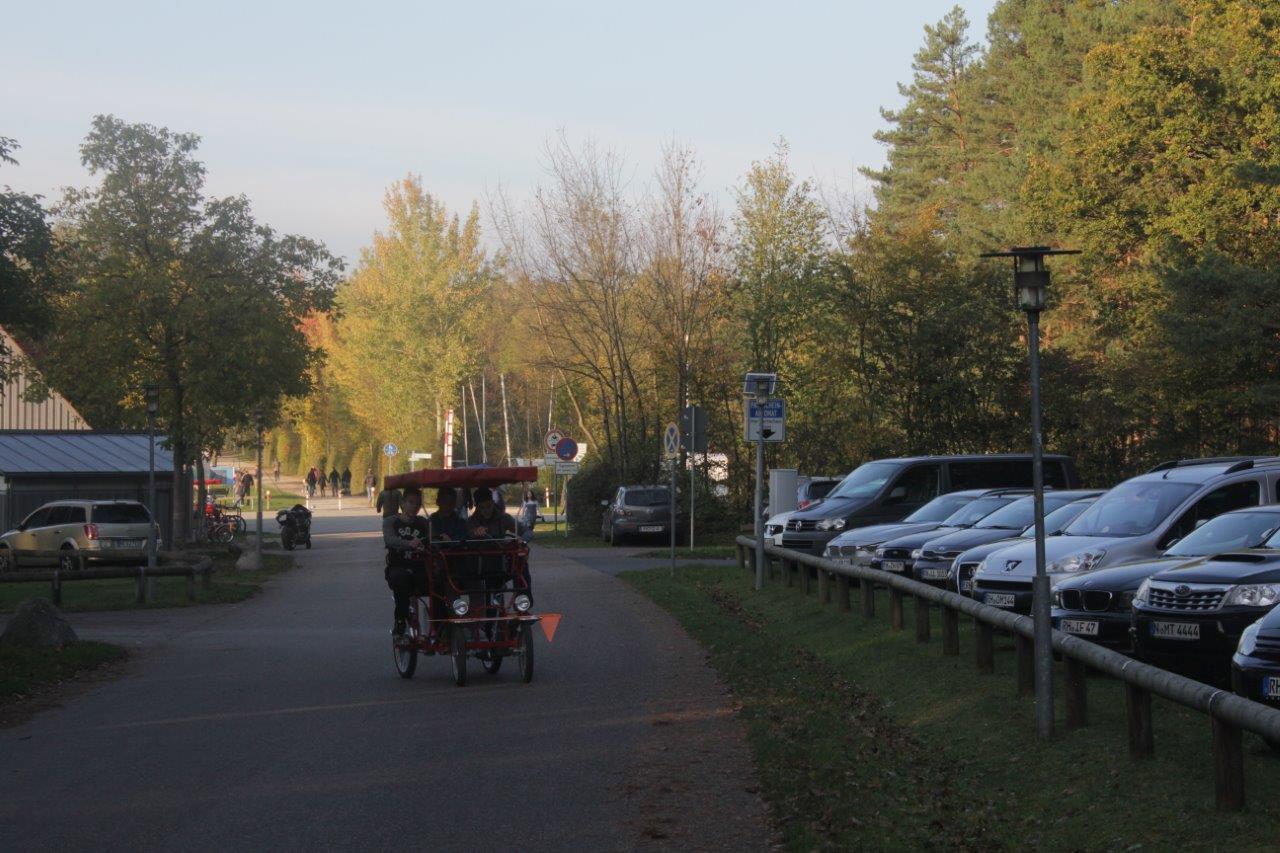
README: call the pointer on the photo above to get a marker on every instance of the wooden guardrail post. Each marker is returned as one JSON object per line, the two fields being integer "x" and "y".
{"x": 806, "y": 580}
{"x": 141, "y": 596}
{"x": 788, "y": 577}
{"x": 742, "y": 556}
{"x": 1228, "y": 766}
{"x": 842, "y": 592}
{"x": 191, "y": 584}
{"x": 824, "y": 586}
{"x": 895, "y": 608}
{"x": 924, "y": 629}
{"x": 1077, "y": 694}
{"x": 984, "y": 646}
{"x": 55, "y": 592}
{"x": 1137, "y": 704}
{"x": 1026, "y": 665}
{"x": 207, "y": 581}
{"x": 950, "y": 632}
{"x": 867, "y": 592}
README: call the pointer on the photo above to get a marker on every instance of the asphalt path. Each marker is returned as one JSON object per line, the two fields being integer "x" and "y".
{"x": 280, "y": 723}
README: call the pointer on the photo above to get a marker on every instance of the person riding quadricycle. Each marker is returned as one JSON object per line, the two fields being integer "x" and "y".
{"x": 469, "y": 579}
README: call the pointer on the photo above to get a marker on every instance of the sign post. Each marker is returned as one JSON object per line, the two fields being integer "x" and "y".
{"x": 549, "y": 443}
{"x": 765, "y": 414}
{"x": 671, "y": 452}
{"x": 693, "y": 420}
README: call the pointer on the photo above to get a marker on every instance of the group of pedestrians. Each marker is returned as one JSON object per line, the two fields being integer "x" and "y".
{"x": 331, "y": 483}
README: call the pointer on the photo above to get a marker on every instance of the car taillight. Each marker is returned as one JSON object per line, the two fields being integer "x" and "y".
{"x": 91, "y": 531}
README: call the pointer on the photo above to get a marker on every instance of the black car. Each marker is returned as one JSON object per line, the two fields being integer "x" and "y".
{"x": 899, "y": 554}
{"x": 637, "y": 511}
{"x": 960, "y": 576}
{"x": 1255, "y": 666}
{"x": 1190, "y": 619}
{"x": 1097, "y": 605}
{"x": 932, "y": 561}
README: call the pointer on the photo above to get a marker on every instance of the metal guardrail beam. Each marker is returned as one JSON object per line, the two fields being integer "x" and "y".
{"x": 181, "y": 565}
{"x": 1229, "y": 714}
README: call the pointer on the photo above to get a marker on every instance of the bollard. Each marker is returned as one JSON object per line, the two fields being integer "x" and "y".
{"x": 923, "y": 628}
{"x": 842, "y": 589}
{"x": 1228, "y": 766}
{"x": 824, "y": 586}
{"x": 895, "y": 608}
{"x": 56, "y": 592}
{"x": 1077, "y": 694}
{"x": 984, "y": 647}
{"x": 868, "y": 595}
{"x": 1137, "y": 704}
{"x": 950, "y": 632}
{"x": 1026, "y": 665}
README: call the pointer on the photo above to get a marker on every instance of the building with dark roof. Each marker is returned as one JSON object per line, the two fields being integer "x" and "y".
{"x": 38, "y": 466}
{"x": 16, "y": 412}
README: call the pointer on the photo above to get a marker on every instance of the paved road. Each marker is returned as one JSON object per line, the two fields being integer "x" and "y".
{"x": 280, "y": 723}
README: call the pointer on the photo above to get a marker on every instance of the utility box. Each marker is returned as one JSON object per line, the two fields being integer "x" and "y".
{"x": 782, "y": 490}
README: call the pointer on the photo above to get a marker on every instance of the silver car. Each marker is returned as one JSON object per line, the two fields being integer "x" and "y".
{"x": 103, "y": 530}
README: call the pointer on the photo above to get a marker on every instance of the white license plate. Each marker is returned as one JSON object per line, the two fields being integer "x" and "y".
{"x": 651, "y": 528}
{"x": 966, "y": 585}
{"x": 893, "y": 565}
{"x": 933, "y": 574}
{"x": 1271, "y": 687}
{"x": 1084, "y": 627}
{"x": 1176, "y": 630}
{"x": 1000, "y": 599}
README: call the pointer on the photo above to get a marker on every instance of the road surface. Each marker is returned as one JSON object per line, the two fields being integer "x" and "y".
{"x": 280, "y": 723}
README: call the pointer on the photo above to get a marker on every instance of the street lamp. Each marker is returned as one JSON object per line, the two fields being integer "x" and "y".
{"x": 1031, "y": 285}
{"x": 152, "y": 394}
{"x": 258, "y": 422}
{"x": 759, "y": 387}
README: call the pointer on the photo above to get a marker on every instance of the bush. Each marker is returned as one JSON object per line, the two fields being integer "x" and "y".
{"x": 596, "y": 481}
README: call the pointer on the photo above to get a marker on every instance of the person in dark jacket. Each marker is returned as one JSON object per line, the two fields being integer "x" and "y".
{"x": 334, "y": 480}
{"x": 311, "y": 483}
{"x": 346, "y": 481}
{"x": 388, "y": 502}
{"x": 446, "y": 524}
{"x": 404, "y": 535}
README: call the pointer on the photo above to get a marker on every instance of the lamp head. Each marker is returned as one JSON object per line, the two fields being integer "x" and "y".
{"x": 761, "y": 386}
{"x": 1030, "y": 277}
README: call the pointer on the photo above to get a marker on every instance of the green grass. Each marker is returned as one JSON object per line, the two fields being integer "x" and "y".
{"x": 701, "y": 552}
{"x": 228, "y": 586}
{"x": 864, "y": 738}
{"x": 550, "y": 538}
{"x": 22, "y": 669}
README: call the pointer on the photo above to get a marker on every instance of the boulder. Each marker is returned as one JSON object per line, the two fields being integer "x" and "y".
{"x": 38, "y": 624}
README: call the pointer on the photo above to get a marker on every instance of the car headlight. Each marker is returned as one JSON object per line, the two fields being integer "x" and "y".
{"x": 1085, "y": 561}
{"x": 830, "y": 524}
{"x": 522, "y": 603}
{"x": 461, "y": 606}
{"x": 981, "y": 568}
{"x": 1253, "y": 595}
{"x": 915, "y": 555}
{"x": 1143, "y": 595}
{"x": 1249, "y": 639}
{"x": 879, "y": 552}
{"x": 830, "y": 552}
{"x": 1055, "y": 598}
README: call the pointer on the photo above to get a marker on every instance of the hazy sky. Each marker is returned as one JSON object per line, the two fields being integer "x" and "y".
{"x": 312, "y": 109}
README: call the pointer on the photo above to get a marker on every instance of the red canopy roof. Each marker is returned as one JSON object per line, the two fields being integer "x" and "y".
{"x": 469, "y": 478}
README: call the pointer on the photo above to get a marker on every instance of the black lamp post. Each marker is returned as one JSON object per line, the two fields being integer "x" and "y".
{"x": 1031, "y": 284}
{"x": 258, "y": 422}
{"x": 152, "y": 394}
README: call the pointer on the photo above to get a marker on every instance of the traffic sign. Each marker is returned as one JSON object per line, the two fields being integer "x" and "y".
{"x": 567, "y": 469}
{"x": 415, "y": 456}
{"x": 553, "y": 438}
{"x": 566, "y": 449}
{"x": 693, "y": 428}
{"x": 390, "y": 449}
{"x": 770, "y": 428}
{"x": 671, "y": 442}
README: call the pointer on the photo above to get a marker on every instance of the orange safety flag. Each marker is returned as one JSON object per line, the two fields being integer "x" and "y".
{"x": 549, "y": 623}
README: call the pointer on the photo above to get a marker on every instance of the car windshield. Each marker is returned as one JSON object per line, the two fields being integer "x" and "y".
{"x": 974, "y": 511}
{"x": 1131, "y": 509}
{"x": 646, "y": 497}
{"x": 1055, "y": 521}
{"x": 120, "y": 514}
{"x": 1228, "y": 532}
{"x": 1015, "y": 516}
{"x": 866, "y": 481}
{"x": 939, "y": 508}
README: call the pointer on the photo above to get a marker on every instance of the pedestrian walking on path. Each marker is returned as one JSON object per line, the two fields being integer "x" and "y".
{"x": 388, "y": 502}
{"x": 370, "y": 485}
{"x": 334, "y": 479}
{"x": 346, "y": 481}
{"x": 311, "y": 483}
{"x": 275, "y": 472}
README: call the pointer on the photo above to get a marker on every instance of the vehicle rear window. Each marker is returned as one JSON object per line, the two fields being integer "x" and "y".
{"x": 647, "y": 497}
{"x": 1131, "y": 509}
{"x": 821, "y": 489}
{"x": 120, "y": 514}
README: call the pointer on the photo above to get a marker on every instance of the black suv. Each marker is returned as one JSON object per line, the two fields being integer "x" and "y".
{"x": 888, "y": 490}
{"x": 637, "y": 511}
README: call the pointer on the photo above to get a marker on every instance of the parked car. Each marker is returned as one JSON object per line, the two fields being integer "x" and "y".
{"x": 858, "y": 546}
{"x": 899, "y": 554}
{"x": 1097, "y": 605}
{"x": 1255, "y": 666}
{"x": 637, "y": 511}
{"x": 1190, "y": 619}
{"x": 1136, "y": 520}
{"x": 931, "y": 561}
{"x": 774, "y": 526}
{"x": 889, "y": 490}
{"x": 809, "y": 490}
{"x": 98, "y": 528}
{"x": 960, "y": 576}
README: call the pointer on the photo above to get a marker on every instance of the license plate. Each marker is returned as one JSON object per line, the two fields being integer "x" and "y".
{"x": 934, "y": 574}
{"x": 966, "y": 585}
{"x": 893, "y": 565}
{"x": 1084, "y": 627}
{"x": 1271, "y": 687}
{"x": 1176, "y": 630}
{"x": 651, "y": 528}
{"x": 1000, "y": 599}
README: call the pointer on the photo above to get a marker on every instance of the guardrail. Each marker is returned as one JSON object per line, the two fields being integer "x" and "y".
{"x": 179, "y": 565}
{"x": 1229, "y": 714}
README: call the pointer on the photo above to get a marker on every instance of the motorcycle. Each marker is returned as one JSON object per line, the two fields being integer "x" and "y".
{"x": 295, "y": 527}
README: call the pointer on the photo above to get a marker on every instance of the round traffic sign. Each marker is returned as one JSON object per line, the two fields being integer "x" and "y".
{"x": 390, "y": 449}
{"x": 567, "y": 449}
{"x": 553, "y": 438}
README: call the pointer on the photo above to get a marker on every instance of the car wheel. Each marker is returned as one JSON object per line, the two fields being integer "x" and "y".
{"x": 614, "y": 538}
{"x": 67, "y": 560}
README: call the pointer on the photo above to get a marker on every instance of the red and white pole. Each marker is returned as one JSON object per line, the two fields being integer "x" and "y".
{"x": 448, "y": 438}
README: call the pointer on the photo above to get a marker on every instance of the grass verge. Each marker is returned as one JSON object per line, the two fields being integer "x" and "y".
{"x": 549, "y": 538}
{"x": 701, "y": 552}
{"x": 228, "y": 586}
{"x": 864, "y": 738}
{"x": 23, "y": 670}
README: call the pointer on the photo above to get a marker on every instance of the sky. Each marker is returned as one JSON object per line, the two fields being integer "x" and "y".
{"x": 313, "y": 109}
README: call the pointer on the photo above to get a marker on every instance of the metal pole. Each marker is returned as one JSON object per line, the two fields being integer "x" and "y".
{"x": 258, "y": 545}
{"x": 1040, "y": 585}
{"x": 151, "y": 484}
{"x": 673, "y": 460}
{"x": 693, "y": 490}
{"x": 759, "y": 525}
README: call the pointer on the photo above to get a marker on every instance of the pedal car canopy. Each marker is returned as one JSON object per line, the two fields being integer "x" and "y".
{"x": 462, "y": 478}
